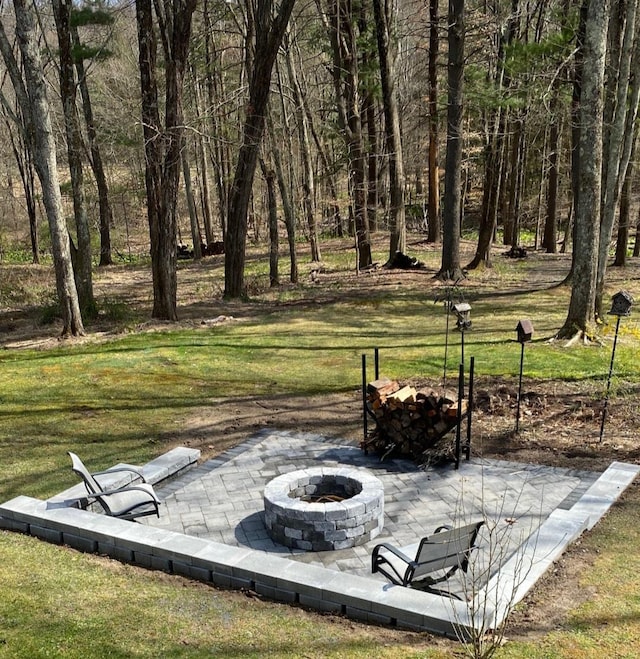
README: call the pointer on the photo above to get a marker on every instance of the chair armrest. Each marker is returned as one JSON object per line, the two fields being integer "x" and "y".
{"x": 144, "y": 487}
{"x": 444, "y": 527}
{"x": 127, "y": 488}
{"x": 114, "y": 470}
{"x": 393, "y": 550}
{"x": 390, "y": 570}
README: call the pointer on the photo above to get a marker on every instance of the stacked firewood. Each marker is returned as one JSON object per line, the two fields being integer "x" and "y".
{"x": 411, "y": 422}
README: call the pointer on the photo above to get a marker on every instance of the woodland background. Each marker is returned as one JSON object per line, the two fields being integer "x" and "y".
{"x": 497, "y": 120}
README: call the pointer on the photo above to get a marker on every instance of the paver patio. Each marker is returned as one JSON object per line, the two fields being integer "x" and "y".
{"x": 211, "y": 528}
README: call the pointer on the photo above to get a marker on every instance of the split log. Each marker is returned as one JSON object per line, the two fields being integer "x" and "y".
{"x": 410, "y": 422}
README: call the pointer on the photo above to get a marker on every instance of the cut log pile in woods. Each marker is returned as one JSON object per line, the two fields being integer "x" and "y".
{"x": 411, "y": 423}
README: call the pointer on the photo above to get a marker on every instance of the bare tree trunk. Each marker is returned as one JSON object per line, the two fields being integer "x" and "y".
{"x": 24, "y": 162}
{"x": 624, "y": 220}
{"x": 576, "y": 93}
{"x": 83, "y": 261}
{"x": 270, "y": 178}
{"x": 373, "y": 155}
{"x": 203, "y": 169}
{"x": 160, "y": 235}
{"x": 196, "y": 237}
{"x": 450, "y": 267}
{"x": 330, "y": 23}
{"x": 625, "y": 98}
{"x": 269, "y": 33}
{"x": 358, "y": 177}
{"x": 32, "y": 96}
{"x": 308, "y": 178}
{"x": 289, "y": 219}
{"x": 495, "y": 150}
{"x": 287, "y": 208}
{"x": 509, "y": 185}
{"x": 550, "y": 233}
{"x": 491, "y": 192}
{"x": 328, "y": 173}
{"x": 346, "y": 81}
{"x": 220, "y": 151}
{"x": 514, "y": 193}
{"x": 97, "y": 166}
{"x": 434, "y": 224}
{"x": 163, "y": 145}
{"x": 368, "y": 118}
{"x": 387, "y": 55}
{"x": 581, "y": 313}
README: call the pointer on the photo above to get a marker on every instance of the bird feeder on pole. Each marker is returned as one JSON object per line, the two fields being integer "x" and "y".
{"x": 463, "y": 322}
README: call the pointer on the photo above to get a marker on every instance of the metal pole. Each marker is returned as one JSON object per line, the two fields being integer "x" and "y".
{"x": 520, "y": 387}
{"x": 606, "y": 398}
{"x": 459, "y": 418}
{"x": 469, "y": 409}
{"x": 446, "y": 348}
{"x": 376, "y": 360}
{"x": 365, "y": 429}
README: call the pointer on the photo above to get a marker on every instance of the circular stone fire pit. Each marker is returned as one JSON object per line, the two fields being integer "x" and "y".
{"x": 324, "y": 508}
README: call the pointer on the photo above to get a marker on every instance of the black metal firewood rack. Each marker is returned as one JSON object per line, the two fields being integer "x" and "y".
{"x": 462, "y": 418}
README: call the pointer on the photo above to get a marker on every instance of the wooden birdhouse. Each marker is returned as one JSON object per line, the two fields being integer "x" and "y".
{"x": 524, "y": 330}
{"x": 621, "y": 304}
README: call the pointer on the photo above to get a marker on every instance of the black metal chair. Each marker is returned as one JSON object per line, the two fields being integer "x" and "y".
{"x": 448, "y": 550}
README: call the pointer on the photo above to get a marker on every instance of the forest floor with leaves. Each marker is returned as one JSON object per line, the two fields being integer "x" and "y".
{"x": 559, "y": 425}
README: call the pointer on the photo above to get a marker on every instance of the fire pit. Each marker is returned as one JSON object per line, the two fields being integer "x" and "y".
{"x": 324, "y": 508}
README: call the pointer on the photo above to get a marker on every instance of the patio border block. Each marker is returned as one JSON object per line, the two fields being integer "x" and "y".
{"x": 56, "y": 520}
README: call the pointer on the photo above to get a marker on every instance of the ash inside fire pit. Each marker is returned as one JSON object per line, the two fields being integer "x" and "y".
{"x": 327, "y": 489}
{"x": 322, "y": 498}
{"x": 324, "y": 508}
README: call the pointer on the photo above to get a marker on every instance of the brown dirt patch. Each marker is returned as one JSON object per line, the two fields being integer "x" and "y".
{"x": 559, "y": 426}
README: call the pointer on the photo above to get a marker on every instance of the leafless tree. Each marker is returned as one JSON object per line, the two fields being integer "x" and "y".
{"x": 581, "y": 314}
{"x": 271, "y": 24}
{"x": 82, "y": 251}
{"x": 31, "y": 92}
{"x": 163, "y": 141}
{"x": 450, "y": 267}
{"x": 384, "y": 12}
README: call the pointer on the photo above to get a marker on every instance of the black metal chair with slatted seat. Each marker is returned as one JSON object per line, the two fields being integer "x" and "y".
{"x": 444, "y": 552}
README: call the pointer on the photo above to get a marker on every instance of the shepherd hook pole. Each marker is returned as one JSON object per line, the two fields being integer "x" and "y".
{"x": 606, "y": 398}
{"x": 520, "y": 387}
{"x": 446, "y": 348}
{"x": 365, "y": 429}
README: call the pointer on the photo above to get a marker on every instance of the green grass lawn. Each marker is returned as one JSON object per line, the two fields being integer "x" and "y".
{"x": 126, "y": 399}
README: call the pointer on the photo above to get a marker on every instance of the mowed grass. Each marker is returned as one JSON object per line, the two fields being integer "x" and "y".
{"x": 607, "y": 624}
{"x": 127, "y": 399}
{"x": 60, "y": 603}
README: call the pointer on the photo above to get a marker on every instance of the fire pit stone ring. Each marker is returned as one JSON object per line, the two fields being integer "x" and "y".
{"x": 324, "y": 508}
